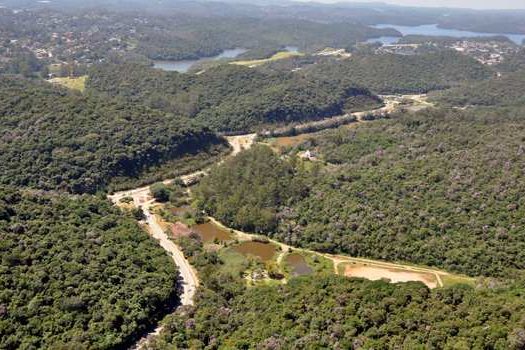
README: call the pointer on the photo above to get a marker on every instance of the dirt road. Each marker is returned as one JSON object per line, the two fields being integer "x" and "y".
{"x": 142, "y": 198}
{"x": 189, "y": 278}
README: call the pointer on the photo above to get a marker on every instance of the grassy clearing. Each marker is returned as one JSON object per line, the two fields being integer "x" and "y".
{"x": 278, "y": 56}
{"x": 234, "y": 262}
{"x": 319, "y": 263}
{"x": 450, "y": 280}
{"x": 78, "y": 84}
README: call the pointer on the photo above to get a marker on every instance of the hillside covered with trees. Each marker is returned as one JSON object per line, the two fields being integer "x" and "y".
{"x": 440, "y": 188}
{"x": 233, "y": 98}
{"x": 54, "y": 139}
{"x": 230, "y": 97}
{"x": 399, "y": 74}
{"x": 77, "y": 273}
{"x": 334, "y": 312}
{"x": 190, "y": 38}
{"x": 506, "y": 90}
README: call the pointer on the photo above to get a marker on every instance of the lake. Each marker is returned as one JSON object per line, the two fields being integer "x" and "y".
{"x": 434, "y": 30}
{"x": 185, "y": 65}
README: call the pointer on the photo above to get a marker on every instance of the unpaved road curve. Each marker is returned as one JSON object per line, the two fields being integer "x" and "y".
{"x": 190, "y": 281}
{"x": 188, "y": 275}
{"x": 142, "y": 198}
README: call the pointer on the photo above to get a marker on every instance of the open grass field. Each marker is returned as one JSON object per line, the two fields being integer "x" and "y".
{"x": 278, "y": 56}
{"x": 78, "y": 84}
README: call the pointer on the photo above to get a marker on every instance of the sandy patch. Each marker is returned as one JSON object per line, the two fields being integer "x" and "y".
{"x": 393, "y": 275}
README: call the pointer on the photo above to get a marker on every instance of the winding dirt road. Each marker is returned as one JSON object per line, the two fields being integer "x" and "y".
{"x": 142, "y": 199}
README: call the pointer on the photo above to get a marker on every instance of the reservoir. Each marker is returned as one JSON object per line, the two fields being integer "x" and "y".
{"x": 185, "y": 65}
{"x": 434, "y": 30}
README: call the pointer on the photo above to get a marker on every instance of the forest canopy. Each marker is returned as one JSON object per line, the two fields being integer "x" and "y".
{"x": 51, "y": 138}
{"x": 77, "y": 272}
{"x": 231, "y": 97}
{"x": 439, "y": 188}
{"x": 335, "y": 312}
{"x": 399, "y": 74}
{"x": 505, "y": 90}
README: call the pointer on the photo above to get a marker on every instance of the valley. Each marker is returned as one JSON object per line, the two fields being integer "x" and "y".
{"x": 261, "y": 175}
{"x": 251, "y": 245}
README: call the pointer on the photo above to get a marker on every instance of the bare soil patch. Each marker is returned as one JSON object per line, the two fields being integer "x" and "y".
{"x": 393, "y": 275}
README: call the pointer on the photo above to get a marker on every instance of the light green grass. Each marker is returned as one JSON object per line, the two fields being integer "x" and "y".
{"x": 450, "y": 280}
{"x": 78, "y": 84}
{"x": 234, "y": 262}
{"x": 319, "y": 263}
{"x": 278, "y": 56}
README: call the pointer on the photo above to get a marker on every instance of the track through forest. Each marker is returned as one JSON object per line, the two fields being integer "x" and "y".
{"x": 142, "y": 198}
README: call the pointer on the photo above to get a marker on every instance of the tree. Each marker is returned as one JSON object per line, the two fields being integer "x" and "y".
{"x": 160, "y": 192}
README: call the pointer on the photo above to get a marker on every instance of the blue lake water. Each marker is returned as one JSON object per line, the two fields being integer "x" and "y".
{"x": 434, "y": 30}
{"x": 185, "y": 65}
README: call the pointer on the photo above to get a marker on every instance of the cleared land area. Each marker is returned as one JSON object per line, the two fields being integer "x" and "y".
{"x": 278, "y": 56}
{"x": 392, "y": 275}
{"x": 78, "y": 84}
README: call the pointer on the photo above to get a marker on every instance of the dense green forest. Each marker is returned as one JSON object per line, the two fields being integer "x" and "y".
{"x": 399, "y": 74}
{"x": 190, "y": 39}
{"x": 440, "y": 188}
{"x": 514, "y": 62}
{"x": 506, "y": 90}
{"x": 76, "y": 273}
{"x": 266, "y": 183}
{"x": 230, "y": 97}
{"x": 233, "y": 98}
{"x": 55, "y": 139}
{"x": 333, "y": 312}
{"x": 323, "y": 311}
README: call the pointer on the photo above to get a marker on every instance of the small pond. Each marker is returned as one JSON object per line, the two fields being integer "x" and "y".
{"x": 263, "y": 251}
{"x": 209, "y": 232}
{"x": 298, "y": 264}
